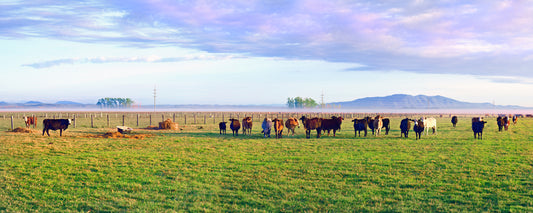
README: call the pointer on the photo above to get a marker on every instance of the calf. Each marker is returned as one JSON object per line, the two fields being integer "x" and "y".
{"x": 506, "y": 123}
{"x": 332, "y": 124}
{"x": 418, "y": 128}
{"x": 222, "y": 127}
{"x": 247, "y": 126}
{"x": 30, "y": 121}
{"x": 386, "y": 125}
{"x": 477, "y": 127}
{"x": 430, "y": 123}
{"x": 359, "y": 125}
{"x": 405, "y": 125}
{"x": 454, "y": 121}
{"x": 378, "y": 124}
{"x": 55, "y": 124}
{"x": 310, "y": 124}
{"x": 235, "y": 125}
{"x": 499, "y": 121}
{"x": 278, "y": 127}
{"x": 267, "y": 126}
{"x": 291, "y": 124}
{"x": 370, "y": 122}
{"x": 515, "y": 119}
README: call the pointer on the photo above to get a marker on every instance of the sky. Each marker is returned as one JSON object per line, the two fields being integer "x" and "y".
{"x": 243, "y": 52}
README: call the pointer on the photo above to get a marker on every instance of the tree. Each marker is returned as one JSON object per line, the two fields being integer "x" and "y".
{"x": 290, "y": 102}
{"x": 114, "y": 102}
{"x": 299, "y": 102}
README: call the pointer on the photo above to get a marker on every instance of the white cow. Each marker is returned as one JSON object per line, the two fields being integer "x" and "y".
{"x": 430, "y": 123}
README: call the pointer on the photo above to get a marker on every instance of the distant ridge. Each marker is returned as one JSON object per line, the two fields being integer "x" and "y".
{"x": 67, "y": 103}
{"x": 403, "y": 101}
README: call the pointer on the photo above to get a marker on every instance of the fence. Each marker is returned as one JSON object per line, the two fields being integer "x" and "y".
{"x": 137, "y": 119}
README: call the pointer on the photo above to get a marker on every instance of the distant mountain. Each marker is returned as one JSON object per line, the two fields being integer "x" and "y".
{"x": 68, "y": 103}
{"x": 402, "y": 101}
{"x": 33, "y": 103}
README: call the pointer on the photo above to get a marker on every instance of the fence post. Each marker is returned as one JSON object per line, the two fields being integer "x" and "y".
{"x": 185, "y": 116}
{"x": 107, "y": 120}
{"x": 194, "y": 118}
{"x": 74, "y": 120}
{"x": 123, "y": 118}
{"x": 12, "y": 127}
{"x": 92, "y": 126}
{"x": 162, "y": 117}
{"x": 174, "y": 117}
{"x": 150, "y": 119}
{"x": 137, "y": 119}
{"x": 205, "y": 118}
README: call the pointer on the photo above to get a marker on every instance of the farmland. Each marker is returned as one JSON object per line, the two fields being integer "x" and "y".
{"x": 196, "y": 169}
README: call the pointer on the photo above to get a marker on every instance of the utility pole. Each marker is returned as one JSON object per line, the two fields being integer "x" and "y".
{"x": 154, "y": 96}
{"x": 322, "y": 105}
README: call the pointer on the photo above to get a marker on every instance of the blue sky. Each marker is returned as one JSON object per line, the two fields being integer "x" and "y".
{"x": 261, "y": 52}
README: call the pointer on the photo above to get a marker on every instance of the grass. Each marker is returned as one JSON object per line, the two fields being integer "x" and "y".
{"x": 199, "y": 170}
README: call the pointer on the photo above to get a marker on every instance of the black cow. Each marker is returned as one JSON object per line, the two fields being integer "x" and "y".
{"x": 386, "y": 125}
{"x": 454, "y": 121}
{"x": 55, "y": 124}
{"x": 359, "y": 125}
{"x": 499, "y": 121}
{"x": 477, "y": 127}
{"x": 405, "y": 125}
{"x": 418, "y": 128}
{"x": 222, "y": 127}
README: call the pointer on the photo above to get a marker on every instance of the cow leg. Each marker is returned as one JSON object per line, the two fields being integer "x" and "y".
{"x": 318, "y": 133}
{"x": 60, "y": 132}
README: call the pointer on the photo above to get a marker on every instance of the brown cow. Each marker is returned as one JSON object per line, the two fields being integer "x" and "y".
{"x": 378, "y": 124}
{"x": 332, "y": 124}
{"x": 454, "y": 120}
{"x": 30, "y": 121}
{"x": 418, "y": 128}
{"x": 247, "y": 126}
{"x": 291, "y": 124}
{"x": 235, "y": 125}
{"x": 310, "y": 124}
{"x": 278, "y": 127}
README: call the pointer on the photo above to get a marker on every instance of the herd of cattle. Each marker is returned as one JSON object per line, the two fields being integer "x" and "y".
{"x": 319, "y": 124}
{"x": 375, "y": 124}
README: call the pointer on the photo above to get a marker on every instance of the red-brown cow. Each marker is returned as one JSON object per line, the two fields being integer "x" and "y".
{"x": 247, "y": 125}
{"x": 310, "y": 124}
{"x": 291, "y": 124}
{"x": 30, "y": 121}
{"x": 278, "y": 127}
{"x": 332, "y": 124}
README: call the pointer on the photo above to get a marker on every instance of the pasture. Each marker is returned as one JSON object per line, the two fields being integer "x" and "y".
{"x": 196, "y": 169}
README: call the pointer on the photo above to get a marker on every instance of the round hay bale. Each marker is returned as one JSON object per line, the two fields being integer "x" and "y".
{"x": 168, "y": 124}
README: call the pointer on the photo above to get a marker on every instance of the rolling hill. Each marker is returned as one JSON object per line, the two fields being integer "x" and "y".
{"x": 403, "y": 101}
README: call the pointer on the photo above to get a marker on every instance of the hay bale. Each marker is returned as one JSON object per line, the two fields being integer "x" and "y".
{"x": 22, "y": 130}
{"x": 168, "y": 124}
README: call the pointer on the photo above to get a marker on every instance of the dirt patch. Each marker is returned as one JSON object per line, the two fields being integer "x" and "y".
{"x": 118, "y": 135}
{"x": 24, "y": 130}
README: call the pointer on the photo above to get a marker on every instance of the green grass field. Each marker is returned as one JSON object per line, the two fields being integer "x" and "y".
{"x": 196, "y": 169}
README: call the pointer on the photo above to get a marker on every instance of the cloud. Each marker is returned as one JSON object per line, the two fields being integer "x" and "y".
{"x": 479, "y": 38}
{"x": 147, "y": 59}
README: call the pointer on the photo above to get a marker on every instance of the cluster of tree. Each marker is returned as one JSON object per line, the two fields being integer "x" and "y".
{"x": 300, "y": 102}
{"x": 114, "y": 102}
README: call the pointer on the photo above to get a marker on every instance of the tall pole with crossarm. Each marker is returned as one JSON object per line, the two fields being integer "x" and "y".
{"x": 154, "y": 96}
